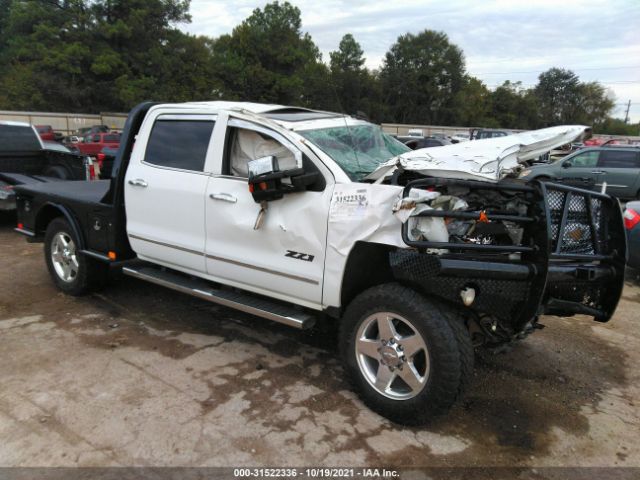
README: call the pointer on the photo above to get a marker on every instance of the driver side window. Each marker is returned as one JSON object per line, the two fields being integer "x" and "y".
{"x": 586, "y": 159}
{"x": 244, "y": 145}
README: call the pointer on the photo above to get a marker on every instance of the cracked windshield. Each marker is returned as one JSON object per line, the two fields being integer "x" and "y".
{"x": 358, "y": 149}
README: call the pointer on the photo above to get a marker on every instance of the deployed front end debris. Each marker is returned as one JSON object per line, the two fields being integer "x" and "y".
{"x": 508, "y": 252}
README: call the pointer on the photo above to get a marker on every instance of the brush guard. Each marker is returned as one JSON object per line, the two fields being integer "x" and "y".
{"x": 570, "y": 260}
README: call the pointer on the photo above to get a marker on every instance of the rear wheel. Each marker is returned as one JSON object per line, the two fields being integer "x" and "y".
{"x": 71, "y": 271}
{"x": 57, "y": 172}
{"x": 403, "y": 355}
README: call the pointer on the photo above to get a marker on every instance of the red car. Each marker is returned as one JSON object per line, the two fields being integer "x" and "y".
{"x": 93, "y": 144}
{"x": 46, "y": 133}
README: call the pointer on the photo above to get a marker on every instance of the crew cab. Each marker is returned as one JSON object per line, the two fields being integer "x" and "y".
{"x": 93, "y": 144}
{"x": 274, "y": 211}
{"x": 25, "y": 159}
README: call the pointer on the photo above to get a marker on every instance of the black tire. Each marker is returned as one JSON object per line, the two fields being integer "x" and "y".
{"x": 57, "y": 172}
{"x": 90, "y": 274}
{"x": 458, "y": 322}
{"x": 448, "y": 346}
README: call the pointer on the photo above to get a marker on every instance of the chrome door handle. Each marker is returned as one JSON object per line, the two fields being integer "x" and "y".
{"x": 225, "y": 197}
{"x": 138, "y": 182}
{"x": 597, "y": 172}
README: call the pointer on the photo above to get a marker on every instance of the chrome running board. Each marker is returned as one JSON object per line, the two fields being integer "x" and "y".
{"x": 243, "y": 301}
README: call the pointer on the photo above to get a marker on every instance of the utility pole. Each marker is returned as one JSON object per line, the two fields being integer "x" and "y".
{"x": 626, "y": 115}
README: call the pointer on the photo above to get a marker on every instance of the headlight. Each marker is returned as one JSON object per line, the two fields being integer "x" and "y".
{"x": 524, "y": 173}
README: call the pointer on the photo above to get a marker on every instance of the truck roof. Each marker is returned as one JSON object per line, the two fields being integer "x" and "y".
{"x": 11, "y": 123}
{"x": 295, "y": 118}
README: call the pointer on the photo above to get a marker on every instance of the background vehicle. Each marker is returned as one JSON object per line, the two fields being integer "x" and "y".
{"x": 46, "y": 132}
{"x": 25, "y": 159}
{"x": 480, "y": 133}
{"x": 459, "y": 137}
{"x": 105, "y": 160}
{"x": 83, "y": 132}
{"x": 266, "y": 209}
{"x": 94, "y": 143}
{"x": 632, "y": 224}
{"x": 618, "y": 166}
{"x": 426, "y": 142}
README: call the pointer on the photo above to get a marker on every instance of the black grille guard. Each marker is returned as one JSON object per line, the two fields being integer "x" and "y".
{"x": 571, "y": 259}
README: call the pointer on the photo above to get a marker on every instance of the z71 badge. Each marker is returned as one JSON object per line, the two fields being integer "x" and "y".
{"x": 299, "y": 256}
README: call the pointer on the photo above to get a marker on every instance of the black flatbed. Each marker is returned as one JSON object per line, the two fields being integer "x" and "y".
{"x": 68, "y": 191}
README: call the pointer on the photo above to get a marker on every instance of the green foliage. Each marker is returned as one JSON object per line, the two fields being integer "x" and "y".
{"x": 514, "y": 107}
{"x": 108, "y": 55}
{"x": 354, "y": 87}
{"x": 473, "y": 103}
{"x": 421, "y": 76}
{"x": 267, "y": 57}
{"x": 617, "y": 126}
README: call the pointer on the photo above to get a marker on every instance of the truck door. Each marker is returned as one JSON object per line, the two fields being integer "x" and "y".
{"x": 620, "y": 169}
{"x": 165, "y": 187}
{"x": 284, "y": 257}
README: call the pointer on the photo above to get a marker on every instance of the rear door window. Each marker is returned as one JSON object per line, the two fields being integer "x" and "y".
{"x": 619, "y": 159}
{"x": 179, "y": 144}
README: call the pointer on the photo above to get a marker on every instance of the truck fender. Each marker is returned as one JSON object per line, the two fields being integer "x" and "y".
{"x": 51, "y": 210}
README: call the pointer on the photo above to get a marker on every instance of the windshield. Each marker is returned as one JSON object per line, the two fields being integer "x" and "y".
{"x": 358, "y": 149}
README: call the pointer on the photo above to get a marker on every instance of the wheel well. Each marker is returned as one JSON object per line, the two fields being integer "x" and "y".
{"x": 367, "y": 266}
{"x": 45, "y": 216}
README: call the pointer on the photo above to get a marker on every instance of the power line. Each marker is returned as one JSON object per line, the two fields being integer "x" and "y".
{"x": 622, "y": 82}
{"x": 573, "y": 69}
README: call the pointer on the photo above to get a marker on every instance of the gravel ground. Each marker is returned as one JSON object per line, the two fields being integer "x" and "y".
{"x": 139, "y": 375}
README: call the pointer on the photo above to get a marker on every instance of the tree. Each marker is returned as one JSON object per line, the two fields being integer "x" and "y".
{"x": 595, "y": 104}
{"x": 617, "y": 126}
{"x": 421, "y": 76}
{"x": 348, "y": 57}
{"x": 513, "y": 107}
{"x": 557, "y": 95}
{"x": 353, "y": 84}
{"x": 83, "y": 55}
{"x": 563, "y": 99}
{"x": 473, "y": 104}
{"x": 264, "y": 57}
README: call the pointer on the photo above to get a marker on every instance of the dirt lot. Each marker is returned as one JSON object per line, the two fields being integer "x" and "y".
{"x": 138, "y": 375}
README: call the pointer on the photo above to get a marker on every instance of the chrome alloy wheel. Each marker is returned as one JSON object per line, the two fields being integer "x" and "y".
{"x": 392, "y": 355}
{"x": 64, "y": 257}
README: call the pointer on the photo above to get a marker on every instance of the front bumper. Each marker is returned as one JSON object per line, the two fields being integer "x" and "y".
{"x": 570, "y": 260}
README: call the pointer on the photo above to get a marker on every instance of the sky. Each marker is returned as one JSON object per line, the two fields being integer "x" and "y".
{"x": 502, "y": 39}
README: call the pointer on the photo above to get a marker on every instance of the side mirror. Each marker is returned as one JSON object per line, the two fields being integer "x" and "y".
{"x": 263, "y": 166}
{"x": 265, "y": 179}
{"x": 567, "y": 164}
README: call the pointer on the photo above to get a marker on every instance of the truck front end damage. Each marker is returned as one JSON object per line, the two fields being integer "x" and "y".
{"x": 508, "y": 252}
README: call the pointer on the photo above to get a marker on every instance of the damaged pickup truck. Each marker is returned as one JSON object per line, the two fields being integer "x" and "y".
{"x": 297, "y": 215}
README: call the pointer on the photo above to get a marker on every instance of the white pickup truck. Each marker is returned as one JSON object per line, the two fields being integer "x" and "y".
{"x": 274, "y": 211}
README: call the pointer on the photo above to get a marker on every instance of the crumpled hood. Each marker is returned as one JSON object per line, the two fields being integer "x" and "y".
{"x": 488, "y": 160}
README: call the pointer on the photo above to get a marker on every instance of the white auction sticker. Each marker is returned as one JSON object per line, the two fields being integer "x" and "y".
{"x": 349, "y": 203}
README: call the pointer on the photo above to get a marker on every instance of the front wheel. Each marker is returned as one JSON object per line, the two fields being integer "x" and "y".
{"x": 408, "y": 356}
{"x": 71, "y": 271}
